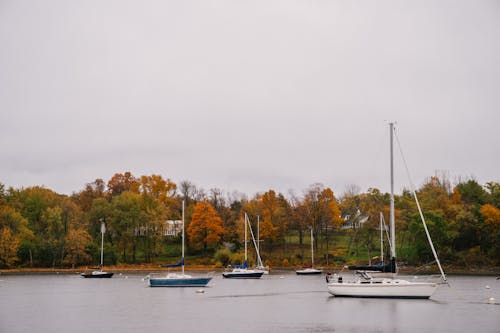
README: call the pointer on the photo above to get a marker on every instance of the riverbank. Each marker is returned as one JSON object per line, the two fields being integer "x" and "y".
{"x": 145, "y": 269}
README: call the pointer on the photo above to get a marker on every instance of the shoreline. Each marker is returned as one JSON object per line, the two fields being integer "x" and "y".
{"x": 145, "y": 269}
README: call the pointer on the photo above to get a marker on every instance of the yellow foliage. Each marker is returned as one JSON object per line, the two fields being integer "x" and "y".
{"x": 491, "y": 215}
{"x": 8, "y": 247}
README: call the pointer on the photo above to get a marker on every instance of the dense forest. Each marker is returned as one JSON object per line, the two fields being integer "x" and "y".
{"x": 41, "y": 228}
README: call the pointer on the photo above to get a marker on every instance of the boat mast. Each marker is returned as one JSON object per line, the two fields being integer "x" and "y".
{"x": 392, "y": 219}
{"x": 381, "y": 239}
{"x": 258, "y": 234}
{"x": 103, "y": 230}
{"x": 312, "y": 248}
{"x": 182, "y": 237}
{"x": 259, "y": 260}
{"x": 246, "y": 217}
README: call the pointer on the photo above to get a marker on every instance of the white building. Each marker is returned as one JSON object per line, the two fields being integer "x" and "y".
{"x": 172, "y": 227}
{"x": 168, "y": 228}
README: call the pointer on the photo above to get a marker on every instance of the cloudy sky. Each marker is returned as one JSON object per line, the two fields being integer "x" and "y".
{"x": 248, "y": 95}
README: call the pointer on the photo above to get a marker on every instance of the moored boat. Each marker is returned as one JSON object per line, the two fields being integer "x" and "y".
{"x": 242, "y": 271}
{"x": 310, "y": 270}
{"x": 176, "y": 279}
{"x": 99, "y": 273}
{"x": 366, "y": 285}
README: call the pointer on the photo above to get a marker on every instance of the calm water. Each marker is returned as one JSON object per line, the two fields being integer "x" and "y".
{"x": 276, "y": 303}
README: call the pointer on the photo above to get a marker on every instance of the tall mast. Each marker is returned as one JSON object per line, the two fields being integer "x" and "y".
{"x": 312, "y": 248}
{"x": 182, "y": 237}
{"x": 258, "y": 234}
{"x": 259, "y": 260}
{"x": 381, "y": 239}
{"x": 246, "y": 217}
{"x": 392, "y": 219}
{"x": 103, "y": 230}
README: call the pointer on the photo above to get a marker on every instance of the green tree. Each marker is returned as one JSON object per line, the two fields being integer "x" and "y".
{"x": 126, "y": 219}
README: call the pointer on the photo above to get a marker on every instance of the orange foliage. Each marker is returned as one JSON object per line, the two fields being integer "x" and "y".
{"x": 120, "y": 183}
{"x": 157, "y": 187}
{"x": 205, "y": 229}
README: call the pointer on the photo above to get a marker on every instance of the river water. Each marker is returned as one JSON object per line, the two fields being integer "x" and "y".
{"x": 280, "y": 302}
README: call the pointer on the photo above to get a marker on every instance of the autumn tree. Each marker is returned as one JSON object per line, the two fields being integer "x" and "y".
{"x": 205, "y": 230}
{"x": 77, "y": 241}
{"x": 92, "y": 191}
{"x": 14, "y": 232}
{"x": 491, "y": 216}
{"x": 323, "y": 212}
{"x": 275, "y": 216}
{"x": 120, "y": 183}
{"x": 159, "y": 189}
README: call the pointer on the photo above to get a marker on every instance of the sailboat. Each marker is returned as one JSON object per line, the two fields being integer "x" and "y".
{"x": 310, "y": 270}
{"x": 242, "y": 271}
{"x": 176, "y": 279}
{"x": 99, "y": 273}
{"x": 366, "y": 285}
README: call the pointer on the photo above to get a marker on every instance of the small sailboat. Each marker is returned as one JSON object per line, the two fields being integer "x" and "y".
{"x": 366, "y": 285}
{"x": 176, "y": 279}
{"x": 99, "y": 273}
{"x": 242, "y": 271}
{"x": 310, "y": 270}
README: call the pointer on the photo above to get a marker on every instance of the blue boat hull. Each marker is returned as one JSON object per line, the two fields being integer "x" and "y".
{"x": 192, "y": 282}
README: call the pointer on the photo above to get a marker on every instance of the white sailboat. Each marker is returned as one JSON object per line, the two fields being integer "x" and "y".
{"x": 367, "y": 286}
{"x": 242, "y": 271}
{"x": 99, "y": 274}
{"x": 176, "y": 279}
{"x": 310, "y": 270}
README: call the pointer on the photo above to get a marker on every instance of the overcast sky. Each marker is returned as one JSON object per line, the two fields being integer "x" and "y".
{"x": 248, "y": 95}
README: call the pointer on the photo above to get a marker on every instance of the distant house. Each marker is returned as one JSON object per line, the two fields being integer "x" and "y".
{"x": 172, "y": 227}
{"x": 354, "y": 222}
{"x": 169, "y": 228}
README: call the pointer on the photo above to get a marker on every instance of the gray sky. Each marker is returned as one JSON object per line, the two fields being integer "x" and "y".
{"x": 248, "y": 95}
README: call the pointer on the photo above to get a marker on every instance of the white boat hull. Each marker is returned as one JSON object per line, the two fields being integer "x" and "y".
{"x": 309, "y": 271}
{"x": 385, "y": 289}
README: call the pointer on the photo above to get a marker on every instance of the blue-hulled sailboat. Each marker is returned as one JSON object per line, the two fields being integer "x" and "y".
{"x": 176, "y": 279}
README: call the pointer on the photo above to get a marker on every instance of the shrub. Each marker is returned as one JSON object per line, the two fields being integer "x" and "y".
{"x": 222, "y": 257}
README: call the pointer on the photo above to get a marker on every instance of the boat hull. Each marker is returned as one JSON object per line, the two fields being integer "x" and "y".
{"x": 382, "y": 290}
{"x": 182, "y": 282}
{"x": 242, "y": 275}
{"x": 264, "y": 270}
{"x": 97, "y": 276}
{"x": 308, "y": 272}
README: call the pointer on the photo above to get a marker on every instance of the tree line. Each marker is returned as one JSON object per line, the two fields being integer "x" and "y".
{"x": 41, "y": 228}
